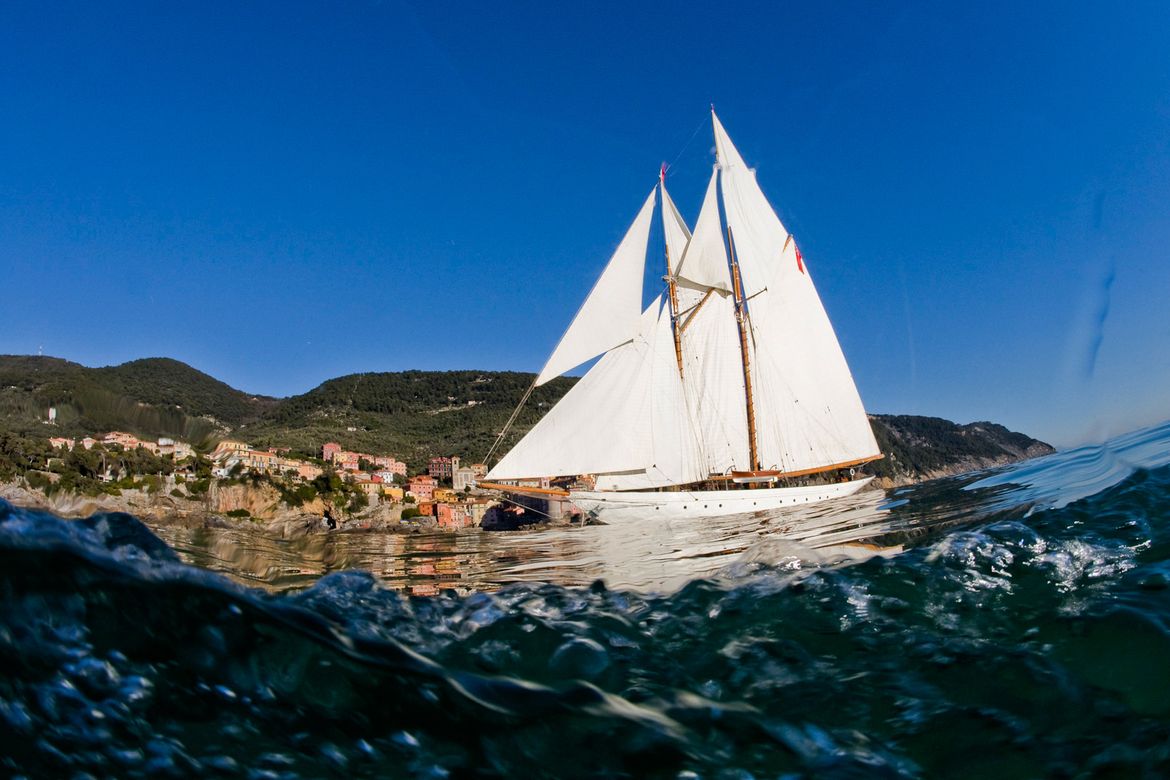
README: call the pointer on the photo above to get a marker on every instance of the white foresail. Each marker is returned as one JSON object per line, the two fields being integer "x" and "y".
{"x": 808, "y": 412}
{"x": 603, "y": 424}
{"x": 609, "y": 316}
{"x": 675, "y": 453}
{"x": 704, "y": 264}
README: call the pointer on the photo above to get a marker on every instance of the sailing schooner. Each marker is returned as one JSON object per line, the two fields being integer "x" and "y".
{"x": 736, "y": 382}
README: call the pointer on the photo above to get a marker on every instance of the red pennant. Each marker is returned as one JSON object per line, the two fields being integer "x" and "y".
{"x": 799, "y": 258}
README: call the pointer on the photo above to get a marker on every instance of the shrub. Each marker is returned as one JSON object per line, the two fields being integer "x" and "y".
{"x": 239, "y": 513}
{"x": 37, "y": 480}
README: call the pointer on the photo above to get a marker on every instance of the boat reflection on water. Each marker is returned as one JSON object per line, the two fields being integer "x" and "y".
{"x": 656, "y": 556}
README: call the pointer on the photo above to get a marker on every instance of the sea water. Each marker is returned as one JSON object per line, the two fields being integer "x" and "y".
{"x": 1006, "y": 624}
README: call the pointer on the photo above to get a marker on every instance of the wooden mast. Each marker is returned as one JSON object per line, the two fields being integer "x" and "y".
{"x": 741, "y": 321}
{"x": 670, "y": 280}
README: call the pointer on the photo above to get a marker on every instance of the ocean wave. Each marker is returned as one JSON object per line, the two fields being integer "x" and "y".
{"x": 1013, "y": 624}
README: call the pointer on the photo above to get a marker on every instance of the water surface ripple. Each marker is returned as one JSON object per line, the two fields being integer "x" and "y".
{"x": 1007, "y": 624}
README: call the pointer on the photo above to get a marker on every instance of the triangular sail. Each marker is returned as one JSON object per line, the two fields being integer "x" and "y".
{"x": 678, "y": 236}
{"x": 808, "y": 411}
{"x": 609, "y": 316}
{"x": 674, "y": 227}
{"x": 676, "y": 457}
{"x": 601, "y": 425}
{"x": 704, "y": 264}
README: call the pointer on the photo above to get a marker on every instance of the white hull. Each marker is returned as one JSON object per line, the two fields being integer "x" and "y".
{"x": 625, "y": 506}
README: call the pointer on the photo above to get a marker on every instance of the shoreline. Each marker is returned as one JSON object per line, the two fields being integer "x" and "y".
{"x": 270, "y": 517}
{"x": 160, "y": 509}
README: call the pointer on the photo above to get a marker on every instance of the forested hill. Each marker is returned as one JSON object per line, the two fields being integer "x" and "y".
{"x": 149, "y": 397}
{"x": 923, "y": 447}
{"x": 411, "y": 414}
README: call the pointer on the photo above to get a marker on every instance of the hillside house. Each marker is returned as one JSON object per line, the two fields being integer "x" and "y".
{"x": 453, "y": 516}
{"x": 443, "y": 467}
{"x": 422, "y": 488}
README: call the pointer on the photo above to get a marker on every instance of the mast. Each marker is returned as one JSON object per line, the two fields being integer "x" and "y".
{"x": 670, "y": 280}
{"x": 741, "y": 322}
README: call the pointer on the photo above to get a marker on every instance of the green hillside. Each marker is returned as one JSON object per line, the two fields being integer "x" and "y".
{"x": 151, "y": 397}
{"x": 916, "y": 447}
{"x": 412, "y": 415}
{"x": 164, "y": 382}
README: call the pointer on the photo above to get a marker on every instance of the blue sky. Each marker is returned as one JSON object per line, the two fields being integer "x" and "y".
{"x": 280, "y": 193}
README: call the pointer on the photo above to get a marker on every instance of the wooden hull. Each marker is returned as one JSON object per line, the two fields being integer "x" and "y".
{"x": 631, "y": 506}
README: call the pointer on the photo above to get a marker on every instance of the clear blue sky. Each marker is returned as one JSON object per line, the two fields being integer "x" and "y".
{"x": 279, "y": 193}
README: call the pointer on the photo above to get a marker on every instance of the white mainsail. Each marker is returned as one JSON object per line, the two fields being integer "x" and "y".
{"x": 636, "y": 422}
{"x": 712, "y": 368}
{"x": 808, "y": 412}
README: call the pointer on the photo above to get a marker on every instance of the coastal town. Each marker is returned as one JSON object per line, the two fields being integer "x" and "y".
{"x": 445, "y": 492}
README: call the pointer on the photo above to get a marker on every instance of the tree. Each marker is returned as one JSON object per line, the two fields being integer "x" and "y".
{"x": 359, "y": 502}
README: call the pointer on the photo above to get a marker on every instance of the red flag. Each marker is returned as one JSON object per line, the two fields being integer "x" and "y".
{"x": 799, "y": 258}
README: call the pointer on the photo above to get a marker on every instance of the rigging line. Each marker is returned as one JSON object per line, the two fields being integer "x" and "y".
{"x": 512, "y": 419}
{"x": 698, "y": 127}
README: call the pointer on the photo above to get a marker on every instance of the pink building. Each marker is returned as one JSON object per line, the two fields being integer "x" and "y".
{"x": 422, "y": 488}
{"x": 330, "y": 450}
{"x": 388, "y": 463}
{"x": 126, "y": 440}
{"x": 452, "y": 516}
{"x": 308, "y": 471}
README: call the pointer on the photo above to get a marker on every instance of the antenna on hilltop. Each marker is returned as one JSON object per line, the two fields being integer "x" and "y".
{"x": 41, "y": 350}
